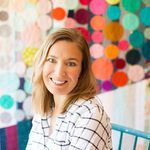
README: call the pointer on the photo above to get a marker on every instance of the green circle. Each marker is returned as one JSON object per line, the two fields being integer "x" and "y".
{"x": 130, "y": 21}
{"x": 72, "y": 4}
{"x": 131, "y": 5}
{"x": 6, "y": 101}
{"x": 145, "y": 16}
{"x": 147, "y": 33}
{"x": 146, "y": 1}
{"x": 136, "y": 39}
{"x": 113, "y": 12}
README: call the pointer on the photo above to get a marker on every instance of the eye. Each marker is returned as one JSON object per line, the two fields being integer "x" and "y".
{"x": 51, "y": 60}
{"x": 71, "y": 64}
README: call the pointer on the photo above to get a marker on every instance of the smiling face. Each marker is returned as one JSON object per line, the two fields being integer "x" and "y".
{"x": 62, "y": 67}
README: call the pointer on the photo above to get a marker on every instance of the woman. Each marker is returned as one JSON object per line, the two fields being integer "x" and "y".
{"x": 67, "y": 116}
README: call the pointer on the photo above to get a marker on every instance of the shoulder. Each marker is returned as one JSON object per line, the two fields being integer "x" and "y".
{"x": 87, "y": 107}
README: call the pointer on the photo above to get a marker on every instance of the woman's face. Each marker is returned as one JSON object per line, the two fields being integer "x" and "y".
{"x": 62, "y": 68}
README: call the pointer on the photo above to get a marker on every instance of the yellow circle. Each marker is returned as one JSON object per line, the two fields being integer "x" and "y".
{"x": 112, "y": 2}
{"x": 28, "y": 55}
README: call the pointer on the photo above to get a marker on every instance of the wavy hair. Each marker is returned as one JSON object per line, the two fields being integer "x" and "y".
{"x": 42, "y": 99}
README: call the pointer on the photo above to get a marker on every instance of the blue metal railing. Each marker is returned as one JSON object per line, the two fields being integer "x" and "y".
{"x": 136, "y": 133}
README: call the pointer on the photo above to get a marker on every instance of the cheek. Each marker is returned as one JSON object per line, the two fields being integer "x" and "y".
{"x": 75, "y": 74}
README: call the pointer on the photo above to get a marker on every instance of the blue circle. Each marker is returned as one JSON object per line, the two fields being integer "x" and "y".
{"x": 145, "y": 16}
{"x": 28, "y": 86}
{"x": 113, "y": 12}
{"x": 6, "y": 101}
{"x": 146, "y": 50}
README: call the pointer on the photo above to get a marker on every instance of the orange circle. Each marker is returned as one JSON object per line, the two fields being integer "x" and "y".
{"x": 112, "y": 51}
{"x": 102, "y": 68}
{"x": 119, "y": 78}
{"x": 58, "y": 13}
{"x": 113, "y": 31}
{"x": 98, "y": 23}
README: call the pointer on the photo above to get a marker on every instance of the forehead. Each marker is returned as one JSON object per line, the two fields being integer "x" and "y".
{"x": 65, "y": 49}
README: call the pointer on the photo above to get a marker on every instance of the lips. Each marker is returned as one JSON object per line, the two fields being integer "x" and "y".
{"x": 58, "y": 82}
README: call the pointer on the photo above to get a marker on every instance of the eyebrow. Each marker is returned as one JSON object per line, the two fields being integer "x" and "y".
{"x": 52, "y": 56}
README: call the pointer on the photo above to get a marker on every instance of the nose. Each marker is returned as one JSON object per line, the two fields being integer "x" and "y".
{"x": 60, "y": 69}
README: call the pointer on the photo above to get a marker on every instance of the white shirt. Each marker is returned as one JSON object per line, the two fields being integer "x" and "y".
{"x": 85, "y": 126}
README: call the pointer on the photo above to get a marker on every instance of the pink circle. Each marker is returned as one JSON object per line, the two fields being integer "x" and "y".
{"x": 98, "y": 7}
{"x": 85, "y": 2}
{"x": 70, "y": 23}
{"x": 123, "y": 45}
{"x": 97, "y": 37}
{"x": 136, "y": 73}
{"x": 96, "y": 51}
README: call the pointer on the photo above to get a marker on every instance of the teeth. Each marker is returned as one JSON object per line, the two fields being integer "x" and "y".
{"x": 58, "y": 82}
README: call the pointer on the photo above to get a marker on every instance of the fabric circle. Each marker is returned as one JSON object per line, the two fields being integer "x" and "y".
{"x": 136, "y": 36}
{"x": 19, "y": 95}
{"x": 82, "y": 16}
{"x": 96, "y": 50}
{"x": 113, "y": 12}
{"x": 98, "y": 7}
{"x": 5, "y": 30}
{"x": 111, "y": 51}
{"x": 144, "y": 16}
{"x": 9, "y": 81}
{"x": 20, "y": 68}
{"x": 70, "y": 22}
{"x": 72, "y": 4}
{"x": 136, "y": 73}
{"x": 31, "y": 35}
{"x": 44, "y": 22}
{"x": 6, "y": 101}
{"x": 5, "y": 117}
{"x": 98, "y": 23}
{"x": 120, "y": 63}
{"x": 107, "y": 85}
{"x": 119, "y": 79}
{"x": 147, "y": 33}
{"x": 28, "y": 86}
{"x": 19, "y": 115}
{"x": 85, "y": 33}
{"x": 27, "y": 107}
{"x": 131, "y": 6}
{"x": 112, "y": 2}
{"x": 130, "y": 21}
{"x": 145, "y": 50}
{"x": 113, "y": 31}
{"x": 44, "y": 6}
{"x": 28, "y": 55}
{"x": 146, "y": 2}
{"x": 102, "y": 68}
{"x": 4, "y": 3}
{"x": 123, "y": 45}
{"x": 133, "y": 57}
{"x": 29, "y": 73}
{"x": 58, "y": 13}
{"x": 3, "y": 15}
{"x": 84, "y": 2}
{"x": 97, "y": 37}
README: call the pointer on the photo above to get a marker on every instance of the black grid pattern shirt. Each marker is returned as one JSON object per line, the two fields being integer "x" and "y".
{"x": 85, "y": 126}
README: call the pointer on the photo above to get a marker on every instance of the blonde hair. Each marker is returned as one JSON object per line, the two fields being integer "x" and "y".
{"x": 42, "y": 99}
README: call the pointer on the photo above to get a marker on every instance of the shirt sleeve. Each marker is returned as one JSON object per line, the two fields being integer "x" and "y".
{"x": 92, "y": 131}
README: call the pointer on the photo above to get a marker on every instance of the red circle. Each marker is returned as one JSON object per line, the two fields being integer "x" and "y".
{"x": 119, "y": 78}
{"x": 120, "y": 63}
